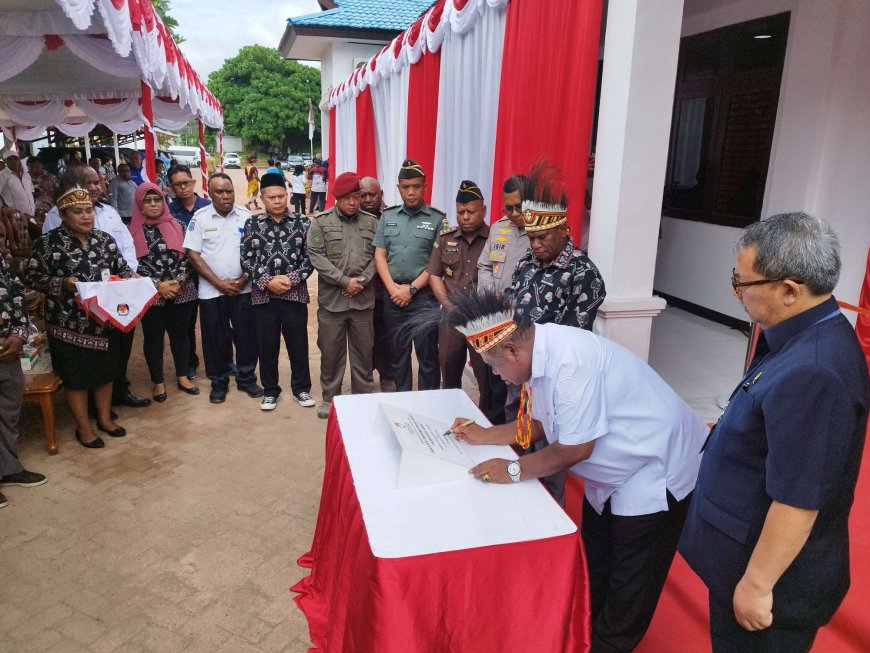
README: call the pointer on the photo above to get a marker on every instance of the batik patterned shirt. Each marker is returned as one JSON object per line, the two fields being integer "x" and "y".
{"x": 271, "y": 249}
{"x": 13, "y": 307}
{"x": 60, "y": 254}
{"x": 164, "y": 264}
{"x": 567, "y": 291}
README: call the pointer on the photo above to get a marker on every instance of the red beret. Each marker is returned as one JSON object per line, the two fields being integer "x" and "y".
{"x": 345, "y": 184}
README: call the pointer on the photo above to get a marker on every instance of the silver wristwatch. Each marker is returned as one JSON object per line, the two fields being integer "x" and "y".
{"x": 514, "y": 471}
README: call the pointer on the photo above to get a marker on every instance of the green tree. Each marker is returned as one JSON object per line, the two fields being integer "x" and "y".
{"x": 265, "y": 98}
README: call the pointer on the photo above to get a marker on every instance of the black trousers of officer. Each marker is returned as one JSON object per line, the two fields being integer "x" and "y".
{"x": 382, "y": 352}
{"x": 276, "y": 318}
{"x": 628, "y": 560}
{"x": 228, "y": 321}
{"x": 192, "y": 358}
{"x": 425, "y": 345}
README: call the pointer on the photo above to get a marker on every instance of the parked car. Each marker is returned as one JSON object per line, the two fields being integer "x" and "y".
{"x": 232, "y": 160}
{"x": 294, "y": 160}
{"x": 185, "y": 154}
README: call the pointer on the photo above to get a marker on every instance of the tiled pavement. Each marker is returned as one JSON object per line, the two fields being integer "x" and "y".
{"x": 183, "y": 536}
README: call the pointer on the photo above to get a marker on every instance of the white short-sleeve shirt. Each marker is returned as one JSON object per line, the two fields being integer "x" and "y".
{"x": 647, "y": 440}
{"x": 218, "y": 240}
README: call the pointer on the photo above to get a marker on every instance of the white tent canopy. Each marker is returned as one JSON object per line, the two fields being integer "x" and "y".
{"x": 71, "y": 64}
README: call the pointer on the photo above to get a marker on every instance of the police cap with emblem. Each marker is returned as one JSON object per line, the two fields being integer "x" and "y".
{"x": 468, "y": 192}
{"x": 411, "y": 170}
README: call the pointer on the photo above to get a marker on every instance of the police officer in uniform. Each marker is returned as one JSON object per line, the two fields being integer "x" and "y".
{"x": 340, "y": 249}
{"x": 403, "y": 243}
{"x": 507, "y": 243}
{"x": 453, "y": 269}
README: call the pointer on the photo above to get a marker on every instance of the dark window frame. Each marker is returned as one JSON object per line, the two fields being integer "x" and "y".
{"x": 728, "y": 79}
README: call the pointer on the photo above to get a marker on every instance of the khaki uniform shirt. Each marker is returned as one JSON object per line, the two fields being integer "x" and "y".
{"x": 340, "y": 248}
{"x": 454, "y": 259}
{"x": 504, "y": 248}
{"x": 408, "y": 238}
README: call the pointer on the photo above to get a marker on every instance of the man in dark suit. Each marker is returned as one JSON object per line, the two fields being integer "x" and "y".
{"x": 767, "y": 530}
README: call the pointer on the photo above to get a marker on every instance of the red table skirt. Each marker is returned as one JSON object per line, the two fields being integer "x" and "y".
{"x": 528, "y": 596}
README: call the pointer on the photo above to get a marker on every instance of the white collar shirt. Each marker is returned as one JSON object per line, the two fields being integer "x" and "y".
{"x": 647, "y": 440}
{"x": 17, "y": 191}
{"x": 218, "y": 240}
{"x": 106, "y": 219}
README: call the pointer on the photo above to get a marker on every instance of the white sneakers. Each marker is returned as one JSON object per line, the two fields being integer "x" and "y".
{"x": 269, "y": 403}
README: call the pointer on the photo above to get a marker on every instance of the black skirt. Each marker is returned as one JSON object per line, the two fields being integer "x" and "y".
{"x": 84, "y": 369}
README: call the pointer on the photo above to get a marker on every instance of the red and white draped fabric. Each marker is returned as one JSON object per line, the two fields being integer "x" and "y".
{"x": 472, "y": 90}
{"x": 73, "y": 64}
{"x": 862, "y": 325}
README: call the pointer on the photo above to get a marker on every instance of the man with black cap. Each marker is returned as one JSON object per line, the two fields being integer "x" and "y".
{"x": 275, "y": 259}
{"x": 453, "y": 269}
{"x": 340, "y": 248}
{"x": 403, "y": 244}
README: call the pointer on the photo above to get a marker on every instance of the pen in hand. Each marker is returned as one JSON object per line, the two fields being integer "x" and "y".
{"x": 460, "y": 425}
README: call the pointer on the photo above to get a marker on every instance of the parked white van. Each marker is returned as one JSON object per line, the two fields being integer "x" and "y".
{"x": 188, "y": 155}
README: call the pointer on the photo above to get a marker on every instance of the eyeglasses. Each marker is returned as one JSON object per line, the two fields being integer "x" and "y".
{"x": 736, "y": 284}
{"x": 183, "y": 184}
{"x": 152, "y": 200}
{"x": 511, "y": 209}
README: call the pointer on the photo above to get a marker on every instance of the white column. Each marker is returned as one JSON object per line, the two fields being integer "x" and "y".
{"x": 87, "y": 148}
{"x": 637, "y": 96}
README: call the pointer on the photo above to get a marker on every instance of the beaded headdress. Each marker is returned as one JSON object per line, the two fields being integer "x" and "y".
{"x": 74, "y": 197}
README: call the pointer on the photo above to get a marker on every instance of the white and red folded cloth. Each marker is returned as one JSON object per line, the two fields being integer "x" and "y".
{"x": 121, "y": 303}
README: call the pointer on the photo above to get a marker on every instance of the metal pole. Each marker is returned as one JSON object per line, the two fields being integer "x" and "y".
{"x": 117, "y": 151}
{"x": 87, "y": 147}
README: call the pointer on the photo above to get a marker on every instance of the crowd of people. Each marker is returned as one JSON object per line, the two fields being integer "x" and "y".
{"x": 516, "y": 299}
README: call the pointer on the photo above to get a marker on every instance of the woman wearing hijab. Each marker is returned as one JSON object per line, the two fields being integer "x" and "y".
{"x": 85, "y": 354}
{"x": 159, "y": 239}
{"x": 297, "y": 185}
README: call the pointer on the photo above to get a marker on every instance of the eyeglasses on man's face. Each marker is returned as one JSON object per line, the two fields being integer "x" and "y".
{"x": 737, "y": 284}
{"x": 183, "y": 184}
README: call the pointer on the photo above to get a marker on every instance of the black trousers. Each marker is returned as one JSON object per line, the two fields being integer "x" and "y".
{"x": 497, "y": 399}
{"x": 728, "y": 636}
{"x": 628, "y": 560}
{"x": 121, "y": 384}
{"x": 299, "y": 203}
{"x": 290, "y": 319}
{"x": 425, "y": 345}
{"x": 192, "y": 358}
{"x": 382, "y": 352}
{"x": 173, "y": 320}
{"x": 228, "y": 321}
{"x": 317, "y": 202}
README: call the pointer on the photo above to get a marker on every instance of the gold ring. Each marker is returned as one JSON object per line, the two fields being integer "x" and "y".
{"x": 485, "y": 478}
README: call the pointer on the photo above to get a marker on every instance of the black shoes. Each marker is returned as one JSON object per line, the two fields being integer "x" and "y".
{"x": 217, "y": 397}
{"x": 193, "y": 390}
{"x": 159, "y": 398}
{"x": 253, "y": 390}
{"x": 119, "y": 432}
{"x": 3, "y": 500}
{"x": 23, "y": 479}
{"x": 93, "y": 444}
{"x": 131, "y": 400}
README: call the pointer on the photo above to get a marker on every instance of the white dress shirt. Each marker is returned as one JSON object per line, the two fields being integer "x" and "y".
{"x": 106, "y": 219}
{"x": 17, "y": 193}
{"x": 647, "y": 440}
{"x": 218, "y": 240}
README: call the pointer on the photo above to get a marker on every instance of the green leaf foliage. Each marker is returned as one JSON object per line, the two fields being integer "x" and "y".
{"x": 265, "y": 97}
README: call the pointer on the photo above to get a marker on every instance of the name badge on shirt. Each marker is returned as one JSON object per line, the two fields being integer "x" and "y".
{"x": 207, "y": 229}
